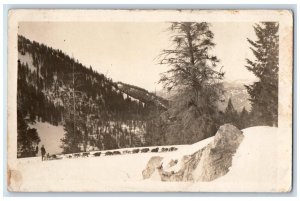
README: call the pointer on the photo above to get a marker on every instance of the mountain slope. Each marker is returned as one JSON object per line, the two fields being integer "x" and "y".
{"x": 55, "y": 88}
{"x": 143, "y": 95}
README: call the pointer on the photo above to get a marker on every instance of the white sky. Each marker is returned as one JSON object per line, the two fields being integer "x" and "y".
{"x": 126, "y": 51}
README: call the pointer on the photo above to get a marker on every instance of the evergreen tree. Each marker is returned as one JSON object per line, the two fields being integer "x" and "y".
{"x": 109, "y": 142}
{"x": 230, "y": 109}
{"x": 243, "y": 121}
{"x": 76, "y": 118}
{"x": 230, "y": 115}
{"x": 195, "y": 76}
{"x": 73, "y": 138}
{"x": 264, "y": 92}
{"x": 27, "y": 138}
{"x": 155, "y": 127}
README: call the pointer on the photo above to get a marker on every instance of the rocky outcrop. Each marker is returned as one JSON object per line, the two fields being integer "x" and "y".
{"x": 207, "y": 164}
{"x": 217, "y": 157}
{"x": 152, "y": 165}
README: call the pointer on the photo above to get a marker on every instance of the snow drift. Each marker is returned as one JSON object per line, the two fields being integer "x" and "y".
{"x": 254, "y": 168}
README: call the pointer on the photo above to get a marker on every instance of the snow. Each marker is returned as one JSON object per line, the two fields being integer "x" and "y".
{"x": 254, "y": 168}
{"x": 27, "y": 58}
{"x": 255, "y": 160}
{"x": 124, "y": 96}
{"x": 50, "y": 136}
{"x": 187, "y": 150}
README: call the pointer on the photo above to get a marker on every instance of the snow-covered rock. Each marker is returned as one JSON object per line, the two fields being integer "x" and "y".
{"x": 153, "y": 163}
{"x": 216, "y": 158}
{"x": 206, "y": 164}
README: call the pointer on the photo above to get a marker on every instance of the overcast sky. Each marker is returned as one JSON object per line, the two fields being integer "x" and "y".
{"x": 126, "y": 51}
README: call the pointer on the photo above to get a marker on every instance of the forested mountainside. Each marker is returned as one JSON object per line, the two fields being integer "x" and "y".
{"x": 143, "y": 95}
{"x": 95, "y": 111}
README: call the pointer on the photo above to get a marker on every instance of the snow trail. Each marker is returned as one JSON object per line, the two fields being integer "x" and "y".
{"x": 254, "y": 168}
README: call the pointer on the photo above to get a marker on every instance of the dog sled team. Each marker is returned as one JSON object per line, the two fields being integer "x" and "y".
{"x": 47, "y": 156}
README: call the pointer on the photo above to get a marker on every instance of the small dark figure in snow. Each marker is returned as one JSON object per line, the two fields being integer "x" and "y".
{"x": 43, "y": 152}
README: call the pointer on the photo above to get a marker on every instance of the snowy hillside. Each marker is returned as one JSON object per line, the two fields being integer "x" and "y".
{"x": 53, "y": 88}
{"x": 143, "y": 95}
{"x": 50, "y": 136}
{"x": 255, "y": 168}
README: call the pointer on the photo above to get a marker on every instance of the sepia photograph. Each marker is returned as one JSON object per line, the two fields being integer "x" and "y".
{"x": 150, "y": 100}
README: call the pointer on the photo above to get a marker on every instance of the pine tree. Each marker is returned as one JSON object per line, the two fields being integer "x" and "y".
{"x": 243, "y": 121}
{"x": 73, "y": 136}
{"x": 230, "y": 115}
{"x": 265, "y": 66}
{"x": 230, "y": 109}
{"x": 27, "y": 138}
{"x": 195, "y": 76}
{"x": 75, "y": 121}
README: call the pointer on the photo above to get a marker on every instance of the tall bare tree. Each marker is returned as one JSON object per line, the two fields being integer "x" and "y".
{"x": 195, "y": 76}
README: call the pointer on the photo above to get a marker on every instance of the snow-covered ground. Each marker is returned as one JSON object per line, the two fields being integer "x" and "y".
{"x": 255, "y": 168}
{"x": 27, "y": 59}
{"x": 50, "y": 136}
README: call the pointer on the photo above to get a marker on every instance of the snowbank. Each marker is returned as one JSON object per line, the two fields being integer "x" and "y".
{"x": 254, "y": 168}
{"x": 255, "y": 163}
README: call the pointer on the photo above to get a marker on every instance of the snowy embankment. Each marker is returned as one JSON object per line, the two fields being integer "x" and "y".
{"x": 254, "y": 168}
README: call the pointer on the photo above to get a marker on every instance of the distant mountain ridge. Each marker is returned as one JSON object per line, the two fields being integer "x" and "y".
{"x": 232, "y": 89}
{"x": 238, "y": 94}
